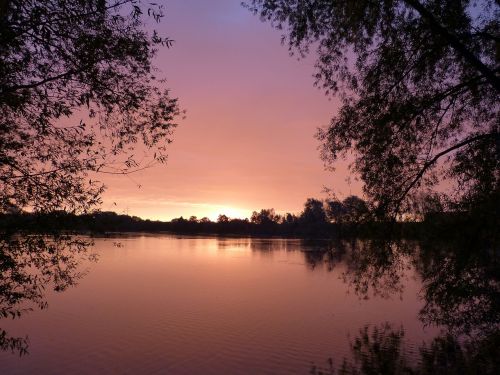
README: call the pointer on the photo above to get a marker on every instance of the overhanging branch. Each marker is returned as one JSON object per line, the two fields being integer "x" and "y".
{"x": 436, "y": 157}
{"x": 454, "y": 42}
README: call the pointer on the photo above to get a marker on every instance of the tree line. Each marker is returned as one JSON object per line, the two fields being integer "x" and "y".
{"x": 319, "y": 218}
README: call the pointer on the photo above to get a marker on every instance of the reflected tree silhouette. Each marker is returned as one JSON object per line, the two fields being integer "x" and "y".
{"x": 460, "y": 290}
{"x": 461, "y": 295}
{"x": 319, "y": 254}
{"x": 370, "y": 267}
{"x": 29, "y": 265}
{"x": 461, "y": 286}
{"x": 378, "y": 350}
{"x": 377, "y": 267}
{"x": 384, "y": 350}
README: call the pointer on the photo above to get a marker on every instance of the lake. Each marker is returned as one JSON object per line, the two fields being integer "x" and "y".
{"x": 164, "y": 304}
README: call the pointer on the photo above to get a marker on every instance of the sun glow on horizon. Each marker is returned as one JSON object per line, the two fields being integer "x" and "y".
{"x": 166, "y": 210}
{"x": 212, "y": 211}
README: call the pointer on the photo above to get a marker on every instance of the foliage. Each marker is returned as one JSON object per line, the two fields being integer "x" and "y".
{"x": 419, "y": 87}
{"x": 222, "y": 219}
{"x": 313, "y": 212}
{"x": 265, "y": 217}
{"x": 77, "y": 94}
{"x": 352, "y": 209}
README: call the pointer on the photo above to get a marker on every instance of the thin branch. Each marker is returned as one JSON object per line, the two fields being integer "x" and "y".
{"x": 127, "y": 172}
{"x": 70, "y": 17}
{"x": 436, "y": 157}
{"x": 438, "y": 124}
{"x": 42, "y": 82}
{"x": 454, "y": 42}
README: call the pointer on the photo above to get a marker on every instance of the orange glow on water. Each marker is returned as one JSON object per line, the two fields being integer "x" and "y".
{"x": 205, "y": 305}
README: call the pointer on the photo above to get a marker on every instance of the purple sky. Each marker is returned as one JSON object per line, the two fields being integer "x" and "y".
{"x": 248, "y": 139}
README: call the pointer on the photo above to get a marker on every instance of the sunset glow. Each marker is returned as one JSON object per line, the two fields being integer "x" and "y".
{"x": 247, "y": 142}
{"x": 249, "y": 187}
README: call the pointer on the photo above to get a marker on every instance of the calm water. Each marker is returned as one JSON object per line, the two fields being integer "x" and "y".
{"x": 180, "y": 305}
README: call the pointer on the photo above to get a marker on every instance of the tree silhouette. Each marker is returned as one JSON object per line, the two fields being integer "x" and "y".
{"x": 419, "y": 87}
{"x": 313, "y": 212}
{"x": 352, "y": 209}
{"x": 265, "y": 217}
{"x": 222, "y": 218}
{"x": 77, "y": 94}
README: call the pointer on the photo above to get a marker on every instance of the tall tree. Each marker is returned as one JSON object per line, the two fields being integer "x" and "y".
{"x": 419, "y": 85}
{"x": 78, "y": 93}
{"x": 265, "y": 217}
{"x": 314, "y": 212}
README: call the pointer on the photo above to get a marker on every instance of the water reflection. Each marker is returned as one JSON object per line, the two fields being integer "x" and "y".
{"x": 210, "y": 290}
{"x": 371, "y": 268}
{"x": 461, "y": 294}
{"x": 460, "y": 285}
{"x": 461, "y": 281}
{"x": 384, "y": 350}
{"x": 31, "y": 264}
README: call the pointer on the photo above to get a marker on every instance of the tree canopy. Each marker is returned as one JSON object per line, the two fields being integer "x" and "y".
{"x": 78, "y": 94}
{"x": 419, "y": 87}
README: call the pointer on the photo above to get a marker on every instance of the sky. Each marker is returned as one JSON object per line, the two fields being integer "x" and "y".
{"x": 247, "y": 141}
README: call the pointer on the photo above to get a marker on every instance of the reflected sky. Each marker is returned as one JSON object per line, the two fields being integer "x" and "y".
{"x": 179, "y": 305}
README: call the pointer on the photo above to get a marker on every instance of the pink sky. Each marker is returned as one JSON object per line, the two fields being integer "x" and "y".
{"x": 248, "y": 139}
